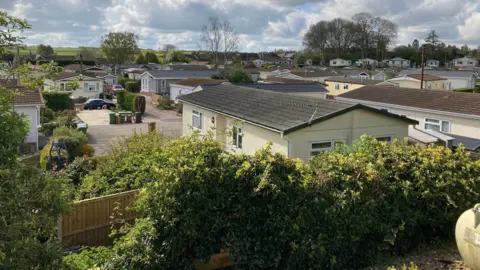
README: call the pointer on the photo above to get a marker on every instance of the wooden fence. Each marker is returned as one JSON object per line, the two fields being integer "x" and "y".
{"x": 90, "y": 221}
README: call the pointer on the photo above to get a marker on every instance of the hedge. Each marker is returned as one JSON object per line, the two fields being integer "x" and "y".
{"x": 75, "y": 142}
{"x": 58, "y": 101}
{"x": 343, "y": 211}
{"x": 133, "y": 86}
{"x": 126, "y": 100}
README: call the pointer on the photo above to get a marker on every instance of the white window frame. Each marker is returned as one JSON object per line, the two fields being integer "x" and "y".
{"x": 318, "y": 150}
{"x": 236, "y": 135}
{"x": 198, "y": 114}
{"x": 439, "y": 124}
{"x": 337, "y": 86}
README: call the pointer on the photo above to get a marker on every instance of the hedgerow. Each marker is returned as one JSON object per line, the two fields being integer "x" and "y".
{"x": 341, "y": 211}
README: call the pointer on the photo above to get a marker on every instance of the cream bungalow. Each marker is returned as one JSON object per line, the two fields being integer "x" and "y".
{"x": 453, "y": 113}
{"x": 247, "y": 119}
{"x": 431, "y": 82}
{"x": 88, "y": 86}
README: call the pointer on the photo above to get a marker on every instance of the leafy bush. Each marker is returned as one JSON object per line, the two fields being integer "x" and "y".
{"x": 164, "y": 103}
{"x": 130, "y": 166}
{"x": 47, "y": 128}
{"x": 341, "y": 211}
{"x": 89, "y": 258}
{"x": 58, "y": 101}
{"x": 133, "y": 86}
{"x": 87, "y": 150}
{"x": 239, "y": 76}
{"x": 74, "y": 140}
{"x": 47, "y": 114}
{"x": 79, "y": 168}
{"x": 466, "y": 90}
{"x": 412, "y": 266}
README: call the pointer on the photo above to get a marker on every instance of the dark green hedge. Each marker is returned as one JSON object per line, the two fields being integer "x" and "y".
{"x": 133, "y": 86}
{"x": 126, "y": 100}
{"x": 58, "y": 101}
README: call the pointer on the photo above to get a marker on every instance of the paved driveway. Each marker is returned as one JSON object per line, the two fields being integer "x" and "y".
{"x": 100, "y": 133}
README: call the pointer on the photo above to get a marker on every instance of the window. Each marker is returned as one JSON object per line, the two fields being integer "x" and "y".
{"x": 197, "y": 119}
{"x": 164, "y": 83}
{"x": 334, "y": 62}
{"x": 237, "y": 137}
{"x": 337, "y": 86}
{"x": 90, "y": 86}
{"x": 437, "y": 125}
{"x": 317, "y": 147}
{"x": 345, "y": 86}
{"x": 460, "y": 62}
{"x": 384, "y": 139}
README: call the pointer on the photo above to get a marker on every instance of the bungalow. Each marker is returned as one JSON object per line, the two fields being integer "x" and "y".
{"x": 246, "y": 119}
{"x": 430, "y": 82}
{"x": 453, "y": 113}
{"x": 366, "y": 62}
{"x": 89, "y": 86}
{"x": 28, "y": 103}
{"x": 339, "y": 62}
{"x": 432, "y": 63}
{"x": 465, "y": 63}
{"x": 455, "y": 79}
{"x": 339, "y": 85}
{"x": 399, "y": 62}
{"x": 158, "y": 81}
{"x": 186, "y": 86}
{"x": 361, "y": 74}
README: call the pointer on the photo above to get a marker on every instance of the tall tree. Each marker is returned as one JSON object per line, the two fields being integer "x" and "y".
{"x": 363, "y": 23}
{"x": 45, "y": 50}
{"x": 465, "y": 50}
{"x": 230, "y": 39}
{"x": 141, "y": 59}
{"x": 416, "y": 44}
{"x": 168, "y": 47}
{"x": 385, "y": 33}
{"x": 151, "y": 57}
{"x": 316, "y": 38}
{"x": 211, "y": 37}
{"x": 341, "y": 35}
{"x": 120, "y": 47}
{"x": 432, "y": 38}
{"x": 30, "y": 203}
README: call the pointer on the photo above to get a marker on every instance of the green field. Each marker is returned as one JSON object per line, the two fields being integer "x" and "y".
{"x": 69, "y": 51}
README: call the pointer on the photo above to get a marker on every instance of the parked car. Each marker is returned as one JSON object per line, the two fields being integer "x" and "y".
{"x": 116, "y": 88}
{"x": 98, "y": 104}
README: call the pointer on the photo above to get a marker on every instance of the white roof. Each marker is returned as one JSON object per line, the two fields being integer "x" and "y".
{"x": 398, "y": 58}
{"x": 427, "y": 136}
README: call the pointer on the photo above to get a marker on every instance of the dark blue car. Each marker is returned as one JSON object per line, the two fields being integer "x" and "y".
{"x": 98, "y": 104}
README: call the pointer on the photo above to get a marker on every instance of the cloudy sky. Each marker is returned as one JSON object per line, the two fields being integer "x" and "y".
{"x": 262, "y": 24}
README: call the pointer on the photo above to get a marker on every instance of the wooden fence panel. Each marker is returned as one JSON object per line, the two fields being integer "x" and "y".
{"x": 90, "y": 221}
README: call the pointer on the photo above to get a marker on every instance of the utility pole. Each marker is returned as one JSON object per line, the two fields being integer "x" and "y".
{"x": 81, "y": 64}
{"x": 423, "y": 66}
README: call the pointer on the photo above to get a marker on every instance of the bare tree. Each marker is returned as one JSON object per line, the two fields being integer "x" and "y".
{"x": 364, "y": 31}
{"x": 168, "y": 47}
{"x": 385, "y": 33}
{"x": 211, "y": 37}
{"x": 230, "y": 39}
{"x": 316, "y": 38}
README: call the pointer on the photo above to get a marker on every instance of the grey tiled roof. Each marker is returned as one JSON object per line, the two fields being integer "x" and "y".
{"x": 352, "y": 80}
{"x": 455, "y": 102}
{"x": 287, "y": 87}
{"x": 278, "y": 111}
{"x": 179, "y": 74}
{"x": 469, "y": 143}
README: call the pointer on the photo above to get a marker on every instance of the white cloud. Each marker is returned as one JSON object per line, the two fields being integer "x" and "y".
{"x": 469, "y": 30}
{"x": 263, "y": 24}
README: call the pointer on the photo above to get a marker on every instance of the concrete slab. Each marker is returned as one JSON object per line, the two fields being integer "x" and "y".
{"x": 95, "y": 117}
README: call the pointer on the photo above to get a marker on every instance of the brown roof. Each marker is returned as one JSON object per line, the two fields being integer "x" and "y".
{"x": 309, "y": 74}
{"x": 28, "y": 97}
{"x": 426, "y": 77}
{"x": 286, "y": 80}
{"x": 194, "y": 82}
{"x": 456, "y": 102}
{"x": 76, "y": 67}
{"x": 352, "y": 80}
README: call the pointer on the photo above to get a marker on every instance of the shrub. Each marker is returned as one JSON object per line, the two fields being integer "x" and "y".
{"x": 74, "y": 140}
{"x": 133, "y": 86}
{"x": 467, "y": 90}
{"x": 79, "y": 168}
{"x": 87, "y": 150}
{"x": 239, "y": 76}
{"x": 47, "y": 114}
{"x": 58, "y": 101}
{"x": 126, "y": 100}
{"x": 341, "y": 211}
{"x": 89, "y": 258}
{"x": 164, "y": 103}
{"x": 47, "y": 128}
